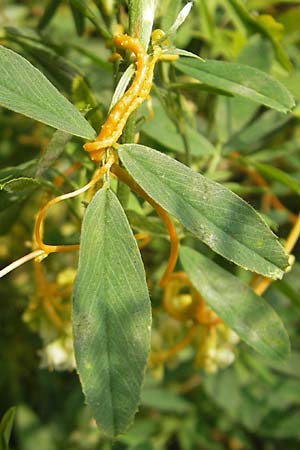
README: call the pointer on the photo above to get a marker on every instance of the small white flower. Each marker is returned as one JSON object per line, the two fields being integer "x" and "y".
{"x": 59, "y": 354}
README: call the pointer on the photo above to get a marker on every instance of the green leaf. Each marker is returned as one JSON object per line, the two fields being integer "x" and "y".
{"x": 276, "y": 174}
{"x": 49, "y": 12}
{"x": 16, "y": 184}
{"x": 226, "y": 390}
{"x": 181, "y": 18}
{"x": 239, "y": 79}
{"x": 232, "y": 114}
{"x": 289, "y": 368}
{"x": 143, "y": 446}
{"x": 79, "y": 20}
{"x": 146, "y": 224}
{"x": 122, "y": 85}
{"x": 181, "y": 52}
{"x": 274, "y": 153}
{"x": 89, "y": 12}
{"x": 53, "y": 150}
{"x": 285, "y": 395}
{"x": 26, "y": 90}
{"x": 249, "y": 315}
{"x": 57, "y": 68}
{"x": 84, "y": 99}
{"x": 111, "y": 314}
{"x": 15, "y": 190}
{"x": 21, "y": 185}
{"x": 285, "y": 427}
{"x": 266, "y": 25}
{"x": 259, "y": 129}
{"x": 25, "y": 169}
{"x": 31, "y": 429}
{"x": 162, "y": 129}
{"x": 164, "y": 400}
{"x": 215, "y": 215}
{"x": 6, "y": 427}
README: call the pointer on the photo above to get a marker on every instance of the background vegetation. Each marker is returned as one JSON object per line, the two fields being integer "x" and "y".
{"x": 216, "y": 393}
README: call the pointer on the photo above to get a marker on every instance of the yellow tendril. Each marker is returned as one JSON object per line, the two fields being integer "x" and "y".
{"x": 135, "y": 95}
{"x": 38, "y": 228}
{"x": 263, "y": 284}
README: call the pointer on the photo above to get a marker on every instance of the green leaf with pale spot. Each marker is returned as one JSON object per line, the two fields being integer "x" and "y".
{"x": 111, "y": 315}
{"x": 214, "y": 214}
{"x": 249, "y": 315}
{"x": 25, "y": 90}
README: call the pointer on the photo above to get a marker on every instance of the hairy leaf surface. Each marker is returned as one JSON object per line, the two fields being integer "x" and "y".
{"x": 111, "y": 314}
{"x": 214, "y": 214}
{"x": 249, "y": 315}
{"x": 26, "y": 90}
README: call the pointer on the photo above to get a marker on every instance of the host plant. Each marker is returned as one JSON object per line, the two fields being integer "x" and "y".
{"x": 126, "y": 181}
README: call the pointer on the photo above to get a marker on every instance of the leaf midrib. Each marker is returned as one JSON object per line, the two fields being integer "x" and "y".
{"x": 106, "y": 322}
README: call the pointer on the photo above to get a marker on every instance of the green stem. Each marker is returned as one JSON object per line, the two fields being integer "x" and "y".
{"x": 186, "y": 143}
{"x": 216, "y": 157}
{"x": 141, "y": 18}
{"x": 123, "y": 191}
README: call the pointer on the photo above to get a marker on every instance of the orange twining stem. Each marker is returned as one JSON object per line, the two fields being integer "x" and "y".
{"x": 293, "y": 236}
{"x": 176, "y": 282}
{"x": 269, "y": 197}
{"x": 52, "y": 314}
{"x": 38, "y": 233}
{"x": 46, "y": 295}
{"x": 126, "y": 178}
{"x": 144, "y": 239}
{"x": 290, "y": 243}
{"x": 195, "y": 310}
{"x": 167, "y": 354}
{"x": 45, "y": 249}
{"x": 139, "y": 90}
{"x": 59, "y": 179}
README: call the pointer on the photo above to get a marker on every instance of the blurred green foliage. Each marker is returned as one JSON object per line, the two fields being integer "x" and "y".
{"x": 252, "y": 404}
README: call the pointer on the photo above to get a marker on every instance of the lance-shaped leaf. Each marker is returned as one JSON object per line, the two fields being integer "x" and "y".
{"x": 213, "y": 213}
{"x": 249, "y": 315}
{"x": 111, "y": 314}
{"x": 239, "y": 79}
{"x": 276, "y": 174}
{"x": 26, "y": 90}
{"x": 52, "y": 152}
{"x": 6, "y": 425}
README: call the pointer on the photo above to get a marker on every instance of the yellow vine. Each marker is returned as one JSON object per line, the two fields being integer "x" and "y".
{"x": 139, "y": 91}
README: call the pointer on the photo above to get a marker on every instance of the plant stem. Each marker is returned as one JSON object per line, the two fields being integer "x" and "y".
{"x": 21, "y": 261}
{"x": 141, "y": 16}
{"x": 123, "y": 191}
{"x": 126, "y": 178}
{"x": 187, "y": 147}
